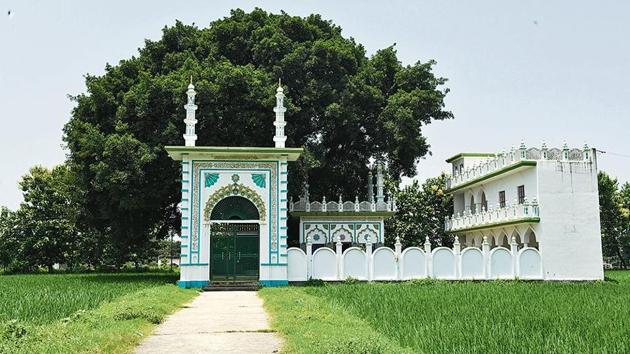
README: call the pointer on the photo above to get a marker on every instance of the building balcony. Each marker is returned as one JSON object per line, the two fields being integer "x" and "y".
{"x": 527, "y": 212}
{"x": 515, "y": 159}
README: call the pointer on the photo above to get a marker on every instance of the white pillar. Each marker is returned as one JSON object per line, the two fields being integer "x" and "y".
{"x": 309, "y": 257}
{"x": 485, "y": 249}
{"x": 339, "y": 253}
{"x": 514, "y": 252}
{"x": 458, "y": 258}
{"x": 428, "y": 256}
{"x": 398, "y": 250}
{"x": 368, "y": 256}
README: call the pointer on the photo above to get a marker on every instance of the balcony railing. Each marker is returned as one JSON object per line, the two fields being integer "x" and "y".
{"x": 506, "y": 159}
{"x": 472, "y": 219}
{"x": 304, "y": 205}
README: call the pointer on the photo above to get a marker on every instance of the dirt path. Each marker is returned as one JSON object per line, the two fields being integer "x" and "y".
{"x": 215, "y": 322}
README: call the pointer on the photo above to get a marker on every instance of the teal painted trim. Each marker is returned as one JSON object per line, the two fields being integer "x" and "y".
{"x": 283, "y": 209}
{"x": 284, "y": 236}
{"x": 184, "y": 200}
{"x": 354, "y": 228}
{"x": 192, "y": 284}
{"x": 524, "y": 163}
{"x": 271, "y": 283}
{"x": 184, "y": 190}
{"x": 274, "y": 264}
{"x": 185, "y": 162}
{"x": 185, "y": 172}
{"x": 183, "y": 256}
{"x": 344, "y": 213}
{"x": 469, "y": 154}
{"x": 284, "y": 172}
{"x": 284, "y": 182}
{"x": 283, "y": 218}
{"x": 283, "y": 227}
{"x": 183, "y": 208}
{"x": 184, "y": 227}
{"x": 283, "y": 200}
{"x": 183, "y": 236}
{"x": 269, "y": 170}
{"x": 284, "y": 255}
{"x": 283, "y": 191}
{"x": 193, "y": 264}
{"x": 185, "y": 181}
{"x": 184, "y": 217}
{"x": 184, "y": 246}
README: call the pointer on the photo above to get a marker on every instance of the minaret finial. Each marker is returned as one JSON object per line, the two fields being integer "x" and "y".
{"x": 280, "y": 138}
{"x": 190, "y": 137}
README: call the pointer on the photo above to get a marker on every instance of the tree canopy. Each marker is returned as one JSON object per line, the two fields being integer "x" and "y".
{"x": 422, "y": 210}
{"x": 614, "y": 211}
{"x": 345, "y": 108}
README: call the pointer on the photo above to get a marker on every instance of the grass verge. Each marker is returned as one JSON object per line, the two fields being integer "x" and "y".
{"x": 455, "y": 317}
{"x": 115, "y": 326}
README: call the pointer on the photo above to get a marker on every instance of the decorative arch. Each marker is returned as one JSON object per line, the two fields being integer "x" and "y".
{"x": 231, "y": 191}
{"x": 235, "y": 208}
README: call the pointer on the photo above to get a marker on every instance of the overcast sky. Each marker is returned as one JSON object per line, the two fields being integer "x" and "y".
{"x": 532, "y": 70}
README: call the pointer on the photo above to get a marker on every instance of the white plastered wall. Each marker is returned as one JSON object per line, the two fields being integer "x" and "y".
{"x": 569, "y": 231}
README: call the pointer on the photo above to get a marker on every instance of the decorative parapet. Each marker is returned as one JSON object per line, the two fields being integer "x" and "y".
{"x": 341, "y": 206}
{"x": 508, "y": 160}
{"x": 494, "y": 217}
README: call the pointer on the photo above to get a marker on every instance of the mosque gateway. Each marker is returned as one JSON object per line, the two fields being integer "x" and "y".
{"x": 527, "y": 213}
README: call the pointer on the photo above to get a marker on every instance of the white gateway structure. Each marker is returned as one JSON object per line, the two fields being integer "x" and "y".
{"x": 542, "y": 198}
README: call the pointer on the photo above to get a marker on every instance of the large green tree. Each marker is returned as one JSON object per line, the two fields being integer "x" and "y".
{"x": 43, "y": 228}
{"x": 344, "y": 108}
{"x": 614, "y": 211}
{"x": 422, "y": 210}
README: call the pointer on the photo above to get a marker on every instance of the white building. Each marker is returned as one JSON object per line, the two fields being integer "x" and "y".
{"x": 544, "y": 198}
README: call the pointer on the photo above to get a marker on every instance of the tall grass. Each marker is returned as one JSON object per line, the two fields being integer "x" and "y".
{"x": 41, "y": 298}
{"x": 483, "y": 317}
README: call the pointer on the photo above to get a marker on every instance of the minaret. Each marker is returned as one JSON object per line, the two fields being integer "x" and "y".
{"x": 380, "y": 196}
{"x": 370, "y": 188}
{"x": 280, "y": 138}
{"x": 190, "y": 137}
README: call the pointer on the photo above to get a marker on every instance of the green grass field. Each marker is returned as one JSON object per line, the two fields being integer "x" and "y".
{"x": 79, "y": 313}
{"x": 455, "y": 317}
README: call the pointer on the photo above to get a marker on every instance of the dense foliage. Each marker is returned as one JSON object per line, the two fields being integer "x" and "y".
{"x": 344, "y": 108}
{"x": 614, "y": 212}
{"x": 432, "y": 316}
{"x": 422, "y": 210}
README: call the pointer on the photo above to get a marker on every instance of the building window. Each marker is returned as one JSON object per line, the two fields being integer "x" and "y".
{"x": 521, "y": 194}
{"x": 472, "y": 204}
{"x": 502, "y": 199}
{"x": 484, "y": 202}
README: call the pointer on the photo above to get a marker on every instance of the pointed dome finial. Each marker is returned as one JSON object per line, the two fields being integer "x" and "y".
{"x": 279, "y": 90}
{"x": 191, "y": 86}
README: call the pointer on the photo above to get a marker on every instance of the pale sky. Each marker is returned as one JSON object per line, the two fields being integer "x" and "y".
{"x": 532, "y": 70}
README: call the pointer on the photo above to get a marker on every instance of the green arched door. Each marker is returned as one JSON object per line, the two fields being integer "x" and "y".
{"x": 234, "y": 243}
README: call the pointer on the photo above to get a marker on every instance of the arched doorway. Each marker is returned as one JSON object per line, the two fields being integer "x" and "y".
{"x": 234, "y": 240}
